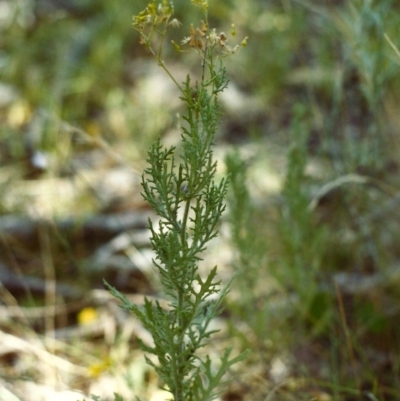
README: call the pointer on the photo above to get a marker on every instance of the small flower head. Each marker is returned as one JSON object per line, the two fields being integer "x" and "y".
{"x": 175, "y": 23}
{"x": 185, "y": 40}
{"x": 142, "y": 19}
{"x": 201, "y": 3}
{"x": 222, "y": 39}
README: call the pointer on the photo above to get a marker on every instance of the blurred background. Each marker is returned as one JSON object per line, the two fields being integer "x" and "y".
{"x": 310, "y": 137}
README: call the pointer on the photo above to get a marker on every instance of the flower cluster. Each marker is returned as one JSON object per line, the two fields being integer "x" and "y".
{"x": 153, "y": 15}
{"x": 199, "y": 38}
{"x": 202, "y": 37}
{"x": 196, "y": 36}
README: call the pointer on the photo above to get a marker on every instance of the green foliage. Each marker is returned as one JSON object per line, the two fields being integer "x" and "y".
{"x": 249, "y": 250}
{"x": 312, "y": 241}
{"x": 189, "y": 203}
{"x": 299, "y": 266}
{"x": 366, "y": 49}
{"x": 338, "y": 59}
{"x": 361, "y": 27}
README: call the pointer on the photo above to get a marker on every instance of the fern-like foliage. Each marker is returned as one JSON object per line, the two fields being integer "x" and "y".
{"x": 183, "y": 191}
